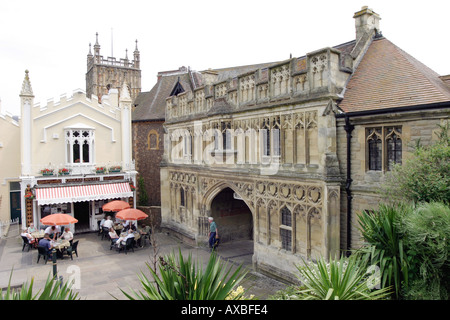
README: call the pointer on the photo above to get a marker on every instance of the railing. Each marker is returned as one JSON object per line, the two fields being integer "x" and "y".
{"x": 203, "y": 226}
{"x": 61, "y": 170}
{"x": 9, "y": 228}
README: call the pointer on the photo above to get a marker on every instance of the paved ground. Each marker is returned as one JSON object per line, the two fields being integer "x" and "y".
{"x": 102, "y": 272}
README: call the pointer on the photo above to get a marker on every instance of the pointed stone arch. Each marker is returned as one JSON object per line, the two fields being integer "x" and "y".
{"x": 215, "y": 189}
{"x": 235, "y": 220}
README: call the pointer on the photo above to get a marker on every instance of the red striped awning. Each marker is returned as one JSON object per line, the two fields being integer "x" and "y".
{"x": 90, "y": 192}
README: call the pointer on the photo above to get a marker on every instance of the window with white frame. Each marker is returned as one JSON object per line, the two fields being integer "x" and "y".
{"x": 79, "y": 146}
{"x": 286, "y": 229}
{"x": 271, "y": 138}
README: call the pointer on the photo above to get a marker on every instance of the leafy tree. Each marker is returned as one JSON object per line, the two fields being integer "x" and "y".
{"x": 425, "y": 176}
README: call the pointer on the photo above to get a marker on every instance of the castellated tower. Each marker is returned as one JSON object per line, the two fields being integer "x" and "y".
{"x": 105, "y": 74}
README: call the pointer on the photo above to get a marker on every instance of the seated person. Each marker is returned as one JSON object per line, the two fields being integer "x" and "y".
{"x": 53, "y": 232}
{"x": 102, "y": 222}
{"x": 113, "y": 235}
{"x": 126, "y": 225}
{"x": 123, "y": 239}
{"x": 30, "y": 238}
{"x": 31, "y": 228}
{"x": 67, "y": 234}
{"x": 47, "y": 243}
{"x": 108, "y": 224}
{"x": 144, "y": 231}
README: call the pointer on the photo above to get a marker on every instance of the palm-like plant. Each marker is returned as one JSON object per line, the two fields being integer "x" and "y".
{"x": 344, "y": 279}
{"x": 185, "y": 280}
{"x": 53, "y": 290}
{"x": 384, "y": 245}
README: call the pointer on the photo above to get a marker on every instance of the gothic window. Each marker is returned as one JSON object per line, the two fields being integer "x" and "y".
{"x": 216, "y": 139}
{"x": 265, "y": 138}
{"x": 226, "y": 135}
{"x": 374, "y": 142}
{"x": 393, "y": 146}
{"x": 80, "y": 146}
{"x": 187, "y": 150}
{"x": 276, "y": 137}
{"x": 286, "y": 229}
{"x": 153, "y": 140}
{"x": 182, "y": 197}
{"x": 384, "y": 147}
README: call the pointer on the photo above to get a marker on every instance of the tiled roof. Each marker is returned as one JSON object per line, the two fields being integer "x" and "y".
{"x": 388, "y": 77}
{"x": 151, "y": 105}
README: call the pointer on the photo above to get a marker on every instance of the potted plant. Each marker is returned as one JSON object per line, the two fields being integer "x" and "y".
{"x": 115, "y": 169}
{"x": 47, "y": 172}
{"x": 100, "y": 170}
{"x": 63, "y": 171}
{"x": 29, "y": 195}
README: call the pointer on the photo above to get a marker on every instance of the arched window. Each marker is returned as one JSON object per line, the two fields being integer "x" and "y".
{"x": 182, "y": 197}
{"x": 384, "y": 147}
{"x": 286, "y": 229}
{"x": 80, "y": 146}
{"x": 153, "y": 140}
{"x": 374, "y": 145}
{"x": 393, "y": 146}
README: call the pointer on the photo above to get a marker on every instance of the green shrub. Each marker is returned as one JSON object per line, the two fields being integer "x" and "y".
{"x": 143, "y": 196}
{"x": 423, "y": 177}
{"x": 384, "y": 245}
{"x": 185, "y": 280}
{"x": 53, "y": 290}
{"x": 344, "y": 279}
{"x": 426, "y": 234}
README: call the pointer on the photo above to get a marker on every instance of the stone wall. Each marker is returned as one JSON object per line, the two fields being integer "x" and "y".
{"x": 415, "y": 126}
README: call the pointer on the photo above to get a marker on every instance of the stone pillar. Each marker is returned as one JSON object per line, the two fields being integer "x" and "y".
{"x": 332, "y": 225}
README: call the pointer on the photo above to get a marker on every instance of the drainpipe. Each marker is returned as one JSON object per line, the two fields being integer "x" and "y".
{"x": 348, "y": 129}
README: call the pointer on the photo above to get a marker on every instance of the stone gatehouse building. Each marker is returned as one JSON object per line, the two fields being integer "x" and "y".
{"x": 287, "y": 153}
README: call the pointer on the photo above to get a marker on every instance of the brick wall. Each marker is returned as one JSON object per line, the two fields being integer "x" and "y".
{"x": 148, "y": 149}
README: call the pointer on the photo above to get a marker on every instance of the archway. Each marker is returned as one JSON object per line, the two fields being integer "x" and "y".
{"x": 232, "y": 215}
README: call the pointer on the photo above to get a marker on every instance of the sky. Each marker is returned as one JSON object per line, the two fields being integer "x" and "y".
{"x": 51, "y": 38}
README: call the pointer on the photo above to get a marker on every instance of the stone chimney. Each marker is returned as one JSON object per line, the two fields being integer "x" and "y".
{"x": 366, "y": 21}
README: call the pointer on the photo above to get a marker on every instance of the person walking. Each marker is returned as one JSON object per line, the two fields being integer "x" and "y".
{"x": 213, "y": 234}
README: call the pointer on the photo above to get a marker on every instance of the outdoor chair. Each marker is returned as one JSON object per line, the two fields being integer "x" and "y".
{"x": 43, "y": 252}
{"x": 146, "y": 236}
{"x": 105, "y": 233}
{"x": 129, "y": 245}
{"x": 113, "y": 243}
{"x": 26, "y": 242}
{"x": 72, "y": 249}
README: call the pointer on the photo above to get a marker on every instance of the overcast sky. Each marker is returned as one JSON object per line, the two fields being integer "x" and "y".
{"x": 51, "y": 38}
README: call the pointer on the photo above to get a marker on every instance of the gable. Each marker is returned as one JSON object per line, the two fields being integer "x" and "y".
{"x": 177, "y": 89}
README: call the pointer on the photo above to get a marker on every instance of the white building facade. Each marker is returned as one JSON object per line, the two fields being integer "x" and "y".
{"x": 75, "y": 155}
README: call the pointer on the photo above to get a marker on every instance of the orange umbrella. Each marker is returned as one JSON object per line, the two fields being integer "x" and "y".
{"x": 131, "y": 214}
{"x": 58, "y": 219}
{"x": 115, "y": 206}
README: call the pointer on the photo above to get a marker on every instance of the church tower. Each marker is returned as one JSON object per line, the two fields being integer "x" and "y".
{"x": 105, "y": 74}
